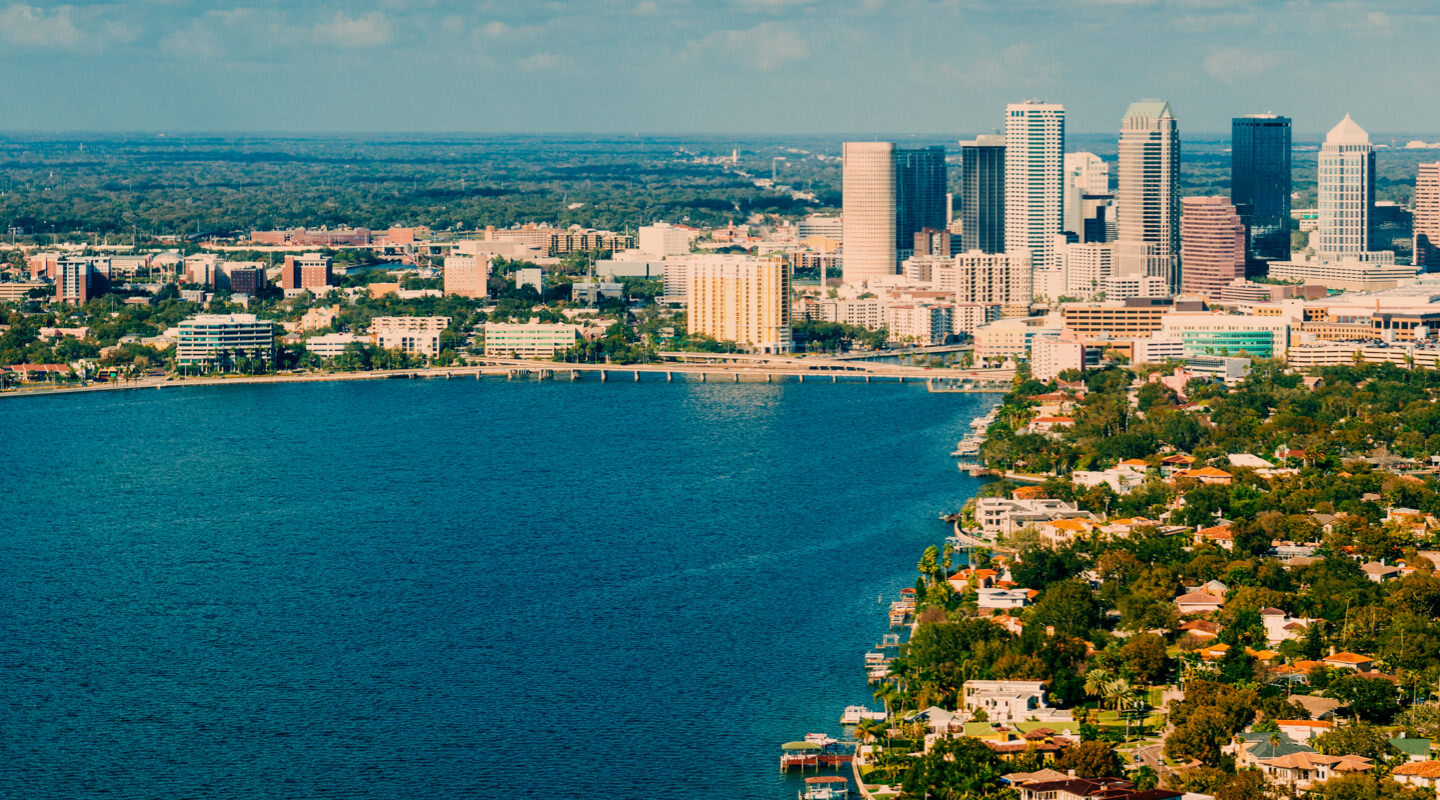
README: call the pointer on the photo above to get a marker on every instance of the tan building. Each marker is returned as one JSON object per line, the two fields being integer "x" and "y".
{"x": 1116, "y": 320}
{"x": 528, "y": 340}
{"x": 1147, "y": 202}
{"x": 976, "y": 277}
{"x": 467, "y": 275}
{"x": 1347, "y": 273}
{"x": 741, "y": 299}
{"x": 1427, "y": 217}
{"x": 868, "y": 186}
{"x": 416, "y": 335}
{"x": 1212, "y": 245}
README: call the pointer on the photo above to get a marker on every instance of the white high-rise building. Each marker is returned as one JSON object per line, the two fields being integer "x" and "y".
{"x": 1085, "y": 173}
{"x": 868, "y": 187}
{"x": 1148, "y": 193}
{"x": 662, "y": 239}
{"x": 1346, "y": 191}
{"x": 1034, "y": 177}
{"x": 1079, "y": 271}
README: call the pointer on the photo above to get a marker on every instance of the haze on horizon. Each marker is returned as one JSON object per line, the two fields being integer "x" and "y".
{"x": 730, "y": 66}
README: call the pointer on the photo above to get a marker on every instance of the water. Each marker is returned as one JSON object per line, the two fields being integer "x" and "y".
{"x": 451, "y": 588}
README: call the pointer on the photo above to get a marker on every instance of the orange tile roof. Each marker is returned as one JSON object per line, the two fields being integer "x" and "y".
{"x": 1348, "y": 658}
{"x": 1420, "y": 769}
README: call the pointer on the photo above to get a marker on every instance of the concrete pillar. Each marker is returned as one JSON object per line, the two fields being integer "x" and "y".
{"x": 737, "y": 377}
{"x": 669, "y": 376}
{"x": 637, "y": 376}
{"x": 602, "y": 376}
{"x": 867, "y": 378}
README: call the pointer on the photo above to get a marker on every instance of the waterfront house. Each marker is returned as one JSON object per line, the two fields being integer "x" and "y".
{"x": 1043, "y": 776}
{"x": 1001, "y": 516}
{"x": 1121, "y": 480}
{"x": 1011, "y": 701}
{"x": 1048, "y": 426}
{"x": 1057, "y": 532}
{"x": 1004, "y": 599}
{"x": 1101, "y": 789}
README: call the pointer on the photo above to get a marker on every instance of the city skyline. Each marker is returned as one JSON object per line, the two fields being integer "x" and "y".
{"x": 669, "y": 67}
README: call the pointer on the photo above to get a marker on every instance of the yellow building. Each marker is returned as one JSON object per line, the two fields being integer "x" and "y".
{"x": 741, "y": 299}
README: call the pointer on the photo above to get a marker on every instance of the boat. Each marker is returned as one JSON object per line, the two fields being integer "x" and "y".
{"x": 854, "y": 715}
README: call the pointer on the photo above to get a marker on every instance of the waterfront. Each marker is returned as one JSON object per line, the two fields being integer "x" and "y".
{"x": 442, "y": 588}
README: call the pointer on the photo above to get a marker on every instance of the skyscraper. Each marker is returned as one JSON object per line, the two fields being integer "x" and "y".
{"x": 1148, "y": 193}
{"x": 1212, "y": 245}
{"x": 919, "y": 193}
{"x": 868, "y": 187}
{"x": 982, "y": 194}
{"x": 1034, "y": 177}
{"x": 1427, "y": 218}
{"x": 1089, "y": 204}
{"x": 1346, "y": 190}
{"x": 1260, "y": 183}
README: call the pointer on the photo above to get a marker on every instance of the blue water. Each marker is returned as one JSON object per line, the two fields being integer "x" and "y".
{"x": 446, "y": 589}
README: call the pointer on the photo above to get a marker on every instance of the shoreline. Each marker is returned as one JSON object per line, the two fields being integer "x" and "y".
{"x": 539, "y": 370}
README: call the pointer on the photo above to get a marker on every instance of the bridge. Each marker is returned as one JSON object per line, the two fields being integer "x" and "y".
{"x": 931, "y": 350}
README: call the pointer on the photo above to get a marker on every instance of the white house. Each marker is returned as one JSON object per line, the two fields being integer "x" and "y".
{"x": 998, "y": 599}
{"x": 1011, "y": 701}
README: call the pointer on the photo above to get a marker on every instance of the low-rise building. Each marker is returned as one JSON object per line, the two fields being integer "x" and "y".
{"x": 415, "y": 335}
{"x": 218, "y": 340}
{"x": 330, "y": 345}
{"x": 529, "y": 340}
{"x": 1010, "y": 701}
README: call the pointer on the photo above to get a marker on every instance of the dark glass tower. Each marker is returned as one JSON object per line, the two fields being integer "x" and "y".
{"x": 919, "y": 193}
{"x": 982, "y": 194}
{"x": 1260, "y": 183}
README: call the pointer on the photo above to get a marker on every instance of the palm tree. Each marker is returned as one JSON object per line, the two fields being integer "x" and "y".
{"x": 1095, "y": 681}
{"x": 885, "y": 693}
{"x": 1119, "y": 691}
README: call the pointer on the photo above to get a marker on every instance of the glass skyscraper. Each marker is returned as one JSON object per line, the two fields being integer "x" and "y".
{"x": 1260, "y": 183}
{"x": 982, "y": 194}
{"x": 920, "y": 193}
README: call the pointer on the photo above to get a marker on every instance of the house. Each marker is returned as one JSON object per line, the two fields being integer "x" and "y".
{"x": 1214, "y": 652}
{"x": 1011, "y": 701}
{"x": 1169, "y": 465}
{"x": 1304, "y": 730}
{"x": 1219, "y": 535}
{"x": 1045, "y": 426}
{"x": 978, "y": 578}
{"x": 1101, "y": 789}
{"x": 1009, "y": 744}
{"x": 1205, "y": 475}
{"x": 1004, "y": 599}
{"x": 1347, "y": 660}
{"x": 1001, "y": 516}
{"x": 1379, "y": 571}
{"x": 1319, "y": 707}
{"x": 1280, "y": 626}
{"x": 938, "y": 719}
{"x": 1210, "y": 587}
{"x": 1027, "y": 493}
{"x": 1424, "y": 774}
{"x": 1201, "y": 629}
{"x": 1199, "y": 603}
{"x": 1134, "y": 464}
{"x": 1043, "y": 776}
{"x": 1009, "y": 623}
{"x": 1414, "y": 748}
{"x": 1124, "y": 526}
{"x": 1300, "y": 771}
{"x": 1251, "y": 746}
{"x": 1248, "y": 460}
{"x": 1063, "y": 531}
{"x": 1122, "y": 480}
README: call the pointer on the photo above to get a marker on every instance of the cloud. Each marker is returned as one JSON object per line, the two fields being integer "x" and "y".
{"x": 1233, "y": 64}
{"x": 342, "y": 30}
{"x": 196, "y": 42}
{"x": 763, "y": 48}
{"x": 538, "y": 61}
{"x": 28, "y": 26}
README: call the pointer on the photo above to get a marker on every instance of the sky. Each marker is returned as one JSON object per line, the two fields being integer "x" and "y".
{"x": 718, "y": 66}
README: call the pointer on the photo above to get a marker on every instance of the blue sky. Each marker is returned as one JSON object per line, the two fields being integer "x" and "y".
{"x": 730, "y": 66}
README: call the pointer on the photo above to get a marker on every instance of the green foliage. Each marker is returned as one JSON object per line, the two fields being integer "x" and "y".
{"x": 1093, "y": 759}
{"x": 959, "y": 768}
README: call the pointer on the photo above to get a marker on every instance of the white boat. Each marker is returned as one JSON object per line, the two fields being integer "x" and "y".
{"x": 855, "y": 714}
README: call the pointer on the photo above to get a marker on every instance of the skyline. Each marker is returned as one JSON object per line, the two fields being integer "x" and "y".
{"x": 761, "y": 67}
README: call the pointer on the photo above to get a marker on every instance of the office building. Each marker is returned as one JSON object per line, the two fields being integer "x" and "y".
{"x": 247, "y": 280}
{"x": 1260, "y": 183}
{"x": 1079, "y": 271}
{"x": 1362, "y": 272}
{"x": 868, "y": 188}
{"x": 1206, "y": 333}
{"x": 1147, "y": 196}
{"x": 330, "y": 345}
{"x": 218, "y": 340}
{"x": 982, "y": 194}
{"x": 415, "y": 335}
{"x": 663, "y": 239}
{"x": 1427, "y": 218}
{"x": 76, "y": 280}
{"x": 1051, "y": 355}
{"x": 818, "y": 225}
{"x": 1003, "y": 279}
{"x": 932, "y": 242}
{"x": 1346, "y": 183}
{"x": 1034, "y": 178}
{"x": 1212, "y": 245}
{"x": 534, "y": 277}
{"x": 309, "y": 271}
{"x": 741, "y": 299}
{"x": 466, "y": 275}
{"x": 920, "y": 194}
{"x": 529, "y": 340}
{"x": 1086, "y": 175}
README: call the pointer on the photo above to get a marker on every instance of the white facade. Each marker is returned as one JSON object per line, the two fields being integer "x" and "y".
{"x": 1011, "y": 701}
{"x": 1346, "y": 183}
{"x": 1127, "y": 287}
{"x": 1050, "y": 356}
{"x": 662, "y": 239}
{"x": 1158, "y": 350}
{"x": 868, "y": 187}
{"x": 1080, "y": 269}
{"x": 528, "y": 340}
{"x": 1011, "y": 337}
{"x": 920, "y": 324}
{"x": 533, "y": 277}
{"x": 415, "y": 335}
{"x": 1147, "y": 202}
{"x": 1085, "y": 173}
{"x": 976, "y": 277}
{"x": 330, "y": 345}
{"x": 867, "y": 313}
{"x": 213, "y": 338}
{"x": 1034, "y": 177}
{"x": 1355, "y": 272}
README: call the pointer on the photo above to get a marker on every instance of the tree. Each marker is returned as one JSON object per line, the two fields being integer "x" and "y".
{"x": 1069, "y": 606}
{"x": 1096, "y": 679}
{"x": 959, "y": 768}
{"x": 1357, "y": 738}
{"x": 1373, "y": 699}
{"x": 1367, "y": 787}
{"x": 1145, "y": 778}
{"x": 1090, "y": 760}
{"x": 1200, "y": 737}
{"x": 1248, "y": 784}
{"x": 1146, "y": 658}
